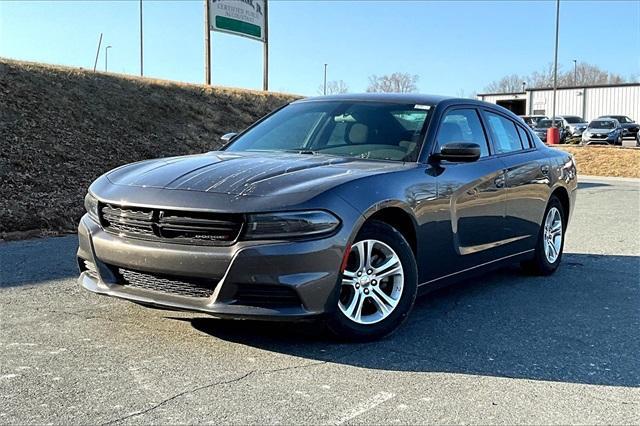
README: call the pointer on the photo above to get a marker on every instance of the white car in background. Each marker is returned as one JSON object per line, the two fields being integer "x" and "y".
{"x": 603, "y": 130}
{"x": 574, "y": 124}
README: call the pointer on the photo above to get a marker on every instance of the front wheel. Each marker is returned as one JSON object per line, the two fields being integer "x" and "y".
{"x": 548, "y": 252}
{"x": 378, "y": 286}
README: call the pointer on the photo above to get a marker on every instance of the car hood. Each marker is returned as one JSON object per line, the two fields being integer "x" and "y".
{"x": 250, "y": 174}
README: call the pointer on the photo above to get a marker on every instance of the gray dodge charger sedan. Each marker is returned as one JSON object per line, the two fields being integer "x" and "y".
{"x": 340, "y": 208}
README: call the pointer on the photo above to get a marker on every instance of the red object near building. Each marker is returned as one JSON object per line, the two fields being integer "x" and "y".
{"x": 553, "y": 136}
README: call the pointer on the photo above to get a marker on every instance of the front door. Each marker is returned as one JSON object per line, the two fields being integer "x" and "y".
{"x": 469, "y": 210}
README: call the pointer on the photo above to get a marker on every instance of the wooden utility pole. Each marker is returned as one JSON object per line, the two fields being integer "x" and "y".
{"x": 95, "y": 63}
{"x": 207, "y": 45}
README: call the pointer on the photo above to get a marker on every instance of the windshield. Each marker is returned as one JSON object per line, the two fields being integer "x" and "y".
{"x": 572, "y": 120}
{"x": 622, "y": 118}
{"x": 372, "y": 130}
{"x": 602, "y": 124}
{"x": 544, "y": 124}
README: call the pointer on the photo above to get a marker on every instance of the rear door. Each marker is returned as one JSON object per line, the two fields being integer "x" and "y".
{"x": 526, "y": 179}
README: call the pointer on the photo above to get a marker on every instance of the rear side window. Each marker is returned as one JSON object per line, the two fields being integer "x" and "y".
{"x": 462, "y": 125}
{"x": 504, "y": 133}
{"x": 524, "y": 137}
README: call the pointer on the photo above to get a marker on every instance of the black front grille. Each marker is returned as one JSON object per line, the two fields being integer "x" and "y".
{"x": 185, "y": 227}
{"x": 266, "y": 295}
{"x": 177, "y": 285}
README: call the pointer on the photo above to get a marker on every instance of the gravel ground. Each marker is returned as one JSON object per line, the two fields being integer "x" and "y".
{"x": 506, "y": 348}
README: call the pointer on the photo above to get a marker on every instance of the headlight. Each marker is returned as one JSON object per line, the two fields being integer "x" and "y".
{"x": 91, "y": 206}
{"x": 290, "y": 225}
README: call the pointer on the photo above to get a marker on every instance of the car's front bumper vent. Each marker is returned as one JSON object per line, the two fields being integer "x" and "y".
{"x": 176, "y": 285}
{"x": 266, "y": 296}
{"x": 182, "y": 227}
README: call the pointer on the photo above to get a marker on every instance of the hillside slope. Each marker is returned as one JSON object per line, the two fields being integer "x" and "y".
{"x": 60, "y": 128}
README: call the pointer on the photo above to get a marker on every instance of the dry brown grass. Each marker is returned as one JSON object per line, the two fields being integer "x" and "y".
{"x": 60, "y": 128}
{"x": 606, "y": 160}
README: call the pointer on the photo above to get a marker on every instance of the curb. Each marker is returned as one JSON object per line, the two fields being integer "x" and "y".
{"x": 609, "y": 178}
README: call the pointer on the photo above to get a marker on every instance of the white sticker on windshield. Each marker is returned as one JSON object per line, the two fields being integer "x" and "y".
{"x": 425, "y": 107}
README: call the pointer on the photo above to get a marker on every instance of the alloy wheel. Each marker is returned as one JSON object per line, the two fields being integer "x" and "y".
{"x": 552, "y": 234}
{"x": 372, "y": 282}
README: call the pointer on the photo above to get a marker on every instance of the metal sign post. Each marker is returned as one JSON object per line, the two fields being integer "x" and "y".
{"x": 555, "y": 64}
{"x": 265, "y": 64}
{"x": 141, "y": 44}
{"x": 207, "y": 45}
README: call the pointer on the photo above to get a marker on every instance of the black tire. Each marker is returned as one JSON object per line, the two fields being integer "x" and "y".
{"x": 540, "y": 265}
{"x": 342, "y": 327}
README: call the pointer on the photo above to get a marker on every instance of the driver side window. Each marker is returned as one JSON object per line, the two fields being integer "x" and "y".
{"x": 462, "y": 125}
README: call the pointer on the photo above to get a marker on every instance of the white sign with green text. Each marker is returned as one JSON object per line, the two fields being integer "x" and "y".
{"x": 240, "y": 17}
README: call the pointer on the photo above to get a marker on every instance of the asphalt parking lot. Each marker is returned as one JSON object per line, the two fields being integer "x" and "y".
{"x": 506, "y": 348}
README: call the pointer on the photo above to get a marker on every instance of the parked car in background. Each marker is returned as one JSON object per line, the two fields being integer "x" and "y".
{"x": 335, "y": 208}
{"x": 532, "y": 120}
{"x": 603, "y": 130}
{"x": 576, "y": 125}
{"x": 629, "y": 127}
{"x": 543, "y": 125}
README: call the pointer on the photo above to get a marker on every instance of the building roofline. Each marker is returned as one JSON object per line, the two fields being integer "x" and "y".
{"x": 584, "y": 86}
{"x": 502, "y": 94}
{"x": 592, "y": 86}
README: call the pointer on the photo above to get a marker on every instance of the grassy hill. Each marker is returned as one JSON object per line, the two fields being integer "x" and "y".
{"x": 60, "y": 128}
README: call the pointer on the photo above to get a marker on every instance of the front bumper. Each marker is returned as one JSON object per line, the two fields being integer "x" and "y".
{"x": 610, "y": 139}
{"x": 308, "y": 270}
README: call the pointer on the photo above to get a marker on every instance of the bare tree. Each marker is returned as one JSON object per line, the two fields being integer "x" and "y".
{"x": 334, "y": 87}
{"x": 583, "y": 74}
{"x": 398, "y": 82}
{"x": 461, "y": 93}
{"x": 544, "y": 77}
{"x": 508, "y": 84}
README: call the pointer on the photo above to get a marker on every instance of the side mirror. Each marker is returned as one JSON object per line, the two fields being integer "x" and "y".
{"x": 459, "y": 152}
{"x": 228, "y": 136}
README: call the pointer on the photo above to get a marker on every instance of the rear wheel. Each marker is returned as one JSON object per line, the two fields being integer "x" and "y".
{"x": 548, "y": 252}
{"x": 378, "y": 286}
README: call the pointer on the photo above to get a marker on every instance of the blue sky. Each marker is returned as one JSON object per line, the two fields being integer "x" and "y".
{"x": 453, "y": 46}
